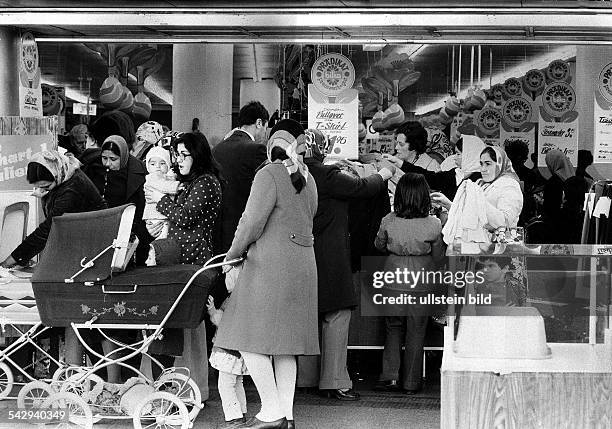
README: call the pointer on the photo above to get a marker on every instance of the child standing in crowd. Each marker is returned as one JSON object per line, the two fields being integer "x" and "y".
{"x": 158, "y": 166}
{"x": 230, "y": 364}
{"x": 413, "y": 239}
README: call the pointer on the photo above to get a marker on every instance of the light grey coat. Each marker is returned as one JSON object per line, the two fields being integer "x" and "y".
{"x": 273, "y": 308}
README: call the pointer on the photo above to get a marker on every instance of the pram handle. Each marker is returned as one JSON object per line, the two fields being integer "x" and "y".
{"x": 208, "y": 263}
{"x": 134, "y": 287}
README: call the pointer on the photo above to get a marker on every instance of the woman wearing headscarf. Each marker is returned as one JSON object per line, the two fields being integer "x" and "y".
{"x": 561, "y": 169}
{"x": 63, "y": 188}
{"x": 147, "y": 135}
{"x": 464, "y": 164}
{"x": 272, "y": 311}
{"x": 500, "y": 188}
{"x": 120, "y": 179}
{"x": 556, "y": 219}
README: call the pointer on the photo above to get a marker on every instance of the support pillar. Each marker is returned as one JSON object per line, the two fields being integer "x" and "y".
{"x": 9, "y": 76}
{"x": 202, "y": 88}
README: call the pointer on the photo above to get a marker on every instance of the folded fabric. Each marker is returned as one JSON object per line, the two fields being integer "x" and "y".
{"x": 467, "y": 216}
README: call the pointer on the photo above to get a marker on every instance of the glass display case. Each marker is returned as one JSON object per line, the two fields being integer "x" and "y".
{"x": 541, "y": 345}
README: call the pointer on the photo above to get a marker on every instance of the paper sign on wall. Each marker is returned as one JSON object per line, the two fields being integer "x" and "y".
{"x": 338, "y": 121}
{"x": 30, "y": 91}
{"x": 558, "y": 135}
{"x": 603, "y": 116}
{"x": 603, "y": 135}
{"x": 20, "y": 138}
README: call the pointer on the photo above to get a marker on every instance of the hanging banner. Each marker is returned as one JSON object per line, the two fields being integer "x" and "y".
{"x": 558, "y": 135}
{"x": 20, "y": 138}
{"x": 603, "y": 116}
{"x": 30, "y": 91}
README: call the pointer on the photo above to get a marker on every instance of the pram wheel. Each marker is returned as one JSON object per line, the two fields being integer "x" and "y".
{"x": 161, "y": 410}
{"x": 79, "y": 414}
{"x": 34, "y": 394}
{"x": 184, "y": 388}
{"x": 6, "y": 380}
{"x": 87, "y": 388}
{"x": 62, "y": 374}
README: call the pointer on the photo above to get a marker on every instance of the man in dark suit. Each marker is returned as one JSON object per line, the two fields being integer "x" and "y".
{"x": 239, "y": 155}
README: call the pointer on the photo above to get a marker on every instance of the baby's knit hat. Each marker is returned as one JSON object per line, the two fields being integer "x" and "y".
{"x": 158, "y": 152}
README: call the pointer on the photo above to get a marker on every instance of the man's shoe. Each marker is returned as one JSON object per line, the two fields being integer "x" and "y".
{"x": 232, "y": 424}
{"x": 255, "y": 423}
{"x": 290, "y": 424}
{"x": 341, "y": 394}
{"x": 387, "y": 386}
{"x": 412, "y": 392}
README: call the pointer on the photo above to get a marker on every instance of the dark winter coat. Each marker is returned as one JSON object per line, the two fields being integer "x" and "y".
{"x": 125, "y": 186}
{"x": 192, "y": 214}
{"x": 75, "y": 195}
{"x": 239, "y": 157}
{"x": 331, "y": 231}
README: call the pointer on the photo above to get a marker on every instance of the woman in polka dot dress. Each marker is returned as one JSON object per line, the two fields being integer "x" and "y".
{"x": 193, "y": 211}
{"x": 192, "y": 214}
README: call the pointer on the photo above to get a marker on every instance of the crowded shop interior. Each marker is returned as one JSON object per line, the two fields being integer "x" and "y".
{"x": 232, "y": 218}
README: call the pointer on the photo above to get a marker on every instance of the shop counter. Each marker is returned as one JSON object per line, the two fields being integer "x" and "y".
{"x": 568, "y": 386}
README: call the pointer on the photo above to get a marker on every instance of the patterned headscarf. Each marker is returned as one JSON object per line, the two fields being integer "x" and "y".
{"x": 291, "y": 145}
{"x": 148, "y": 134}
{"x": 503, "y": 165}
{"x": 62, "y": 167}
{"x": 559, "y": 165}
{"x": 124, "y": 152}
{"x": 316, "y": 144}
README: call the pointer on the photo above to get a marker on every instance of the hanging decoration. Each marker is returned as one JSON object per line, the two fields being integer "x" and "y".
{"x": 385, "y": 81}
{"x": 128, "y": 100}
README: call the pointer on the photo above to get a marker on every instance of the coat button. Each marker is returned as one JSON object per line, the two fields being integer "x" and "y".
{"x": 292, "y": 235}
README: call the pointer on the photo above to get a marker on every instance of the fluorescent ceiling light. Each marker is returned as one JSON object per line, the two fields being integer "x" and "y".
{"x": 562, "y": 53}
{"x": 411, "y": 50}
{"x": 373, "y": 47}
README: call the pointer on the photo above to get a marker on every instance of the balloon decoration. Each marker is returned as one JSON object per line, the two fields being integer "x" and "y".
{"x": 385, "y": 80}
{"x": 142, "y": 60}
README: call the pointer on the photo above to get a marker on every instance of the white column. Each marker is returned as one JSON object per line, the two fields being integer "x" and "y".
{"x": 202, "y": 88}
{"x": 9, "y": 76}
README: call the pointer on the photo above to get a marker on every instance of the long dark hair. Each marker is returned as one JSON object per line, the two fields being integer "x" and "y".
{"x": 203, "y": 160}
{"x": 412, "y": 198}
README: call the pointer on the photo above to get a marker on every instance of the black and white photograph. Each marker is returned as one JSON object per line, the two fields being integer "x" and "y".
{"x": 315, "y": 214}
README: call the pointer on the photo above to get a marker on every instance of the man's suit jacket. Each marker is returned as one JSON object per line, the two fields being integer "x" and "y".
{"x": 239, "y": 157}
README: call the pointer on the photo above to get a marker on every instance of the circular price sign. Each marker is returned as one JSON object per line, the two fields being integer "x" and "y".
{"x": 604, "y": 82}
{"x": 558, "y": 99}
{"x": 497, "y": 92}
{"x": 513, "y": 87}
{"x": 534, "y": 80}
{"x": 332, "y": 73}
{"x": 558, "y": 70}
{"x": 517, "y": 111}
{"x": 488, "y": 120}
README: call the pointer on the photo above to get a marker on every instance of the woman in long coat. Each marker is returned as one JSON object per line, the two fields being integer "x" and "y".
{"x": 273, "y": 308}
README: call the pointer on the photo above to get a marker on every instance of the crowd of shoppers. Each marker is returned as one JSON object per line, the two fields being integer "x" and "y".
{"x": 269, "y": 196}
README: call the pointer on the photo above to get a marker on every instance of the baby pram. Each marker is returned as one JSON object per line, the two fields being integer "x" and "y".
{"x": 76, "y": 284}
{"x": 20, "y": 322}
